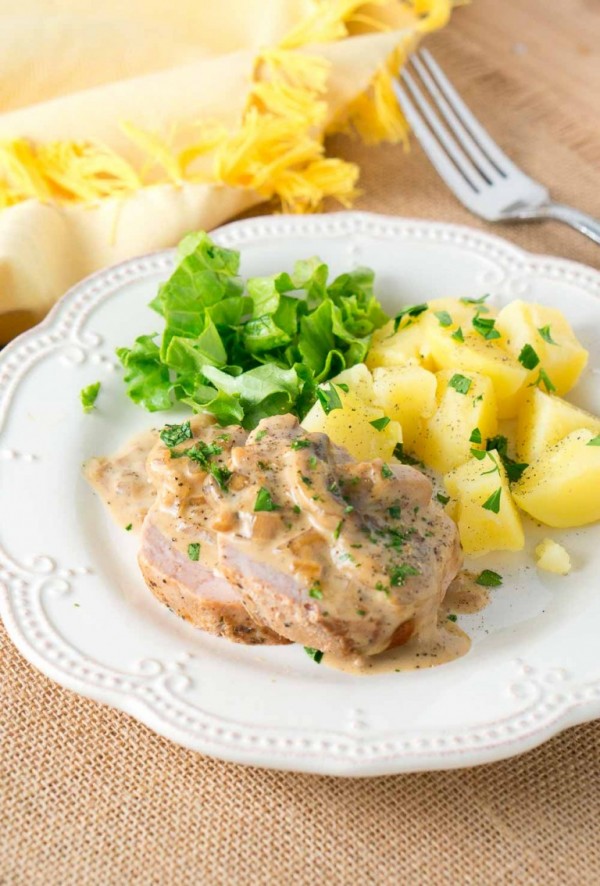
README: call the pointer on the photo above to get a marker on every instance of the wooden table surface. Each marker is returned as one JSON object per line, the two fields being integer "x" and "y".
{"x": 530, "y": 71}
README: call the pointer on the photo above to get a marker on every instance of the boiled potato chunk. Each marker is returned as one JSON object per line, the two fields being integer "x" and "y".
{"x": 552, "y": 557}
{"x": 443, "y": 442}
{"x": 520, "y": 324}
{"x": 407, "y": 345}
{"x": 477, "y": 354}
{"x": 350, "y": 426}
{"x": 473, "y": 485}
{"x": 544, "y": 420}
{"x": 407, "y": 395}
{"x": 562, "y": 488}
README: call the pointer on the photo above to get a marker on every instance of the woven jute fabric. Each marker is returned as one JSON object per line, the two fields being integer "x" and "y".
{"x": 89, "y": 796}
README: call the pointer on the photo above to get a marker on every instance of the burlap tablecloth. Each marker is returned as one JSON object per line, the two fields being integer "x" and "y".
{"x": 89, "y": 796}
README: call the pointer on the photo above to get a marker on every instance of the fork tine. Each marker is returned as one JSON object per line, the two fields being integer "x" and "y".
{"x": 473, "y": 127}
{"x": 452, "y": 147}
{"x": 461, "y": 187}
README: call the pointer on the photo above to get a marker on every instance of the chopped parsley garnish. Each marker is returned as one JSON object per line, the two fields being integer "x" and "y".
{"x": 316, "y": 593}
{"x": 488, "y": 579}
{"x": 495, "y": 469}
{"x": 343, "y": 387}
{"x": 194, "y": 551}
{"x": 129, "y": 527}
{"x": 221, "y": 474}
{"x": 306, "y": 480}
{"x": 493, "y": 502}
{"x": 313, "y": 461}
{"x": 386, "y": 472}
{"x": 259, "y": 435}
{"x": 348, "y": 509}
{"x": 264, "y": 501}
{"x": 452, "y": 617}
{"x": 528, "y": 357}
{"x": 595, "y": 441}
{"x": 485, "y": 326}
{"x": 399, "y": 574}
{"x": 380, "y": 423}
{"x": 329, "y": 398}
{"x": 315, "y": 654}
{"x": 337, "y": 530}
{"x": 404, "y": 457}
{"x": 444, "y": 318}
{"x": 410, "y": 311}
{"x": 479, "y": 454}
{"x": 457, "y": 335}
{"x": 394, "y": 512}
{"x": 224, "y": 437}
{"x": 460, "y": 383}
{"x": 443, "y": 499}
{"x": 200, "y": 452}
{"x": 545, "y": 380}
{"x": 361, "y": 612}
{"x": 475, "y": 301}
{"x": 300, "y": 443}
{"x": 475, "y": 436}
{"x": 381, "y": 587}
{"x": 297, "y": 509}
{"x": 513, "y": 469}
{"x": 264, "y": 466}
{"x": 544, "y": 331}
{"x": 88, "y": 396}
{"x": 173, "y": 435}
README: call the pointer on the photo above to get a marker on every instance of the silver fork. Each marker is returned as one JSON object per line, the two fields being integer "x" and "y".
{"x": 468, "y": 159}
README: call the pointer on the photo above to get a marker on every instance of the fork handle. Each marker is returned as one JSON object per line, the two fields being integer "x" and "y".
{"x": 581, "y": 221}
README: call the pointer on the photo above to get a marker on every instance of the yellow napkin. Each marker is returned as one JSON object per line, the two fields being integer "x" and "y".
{"x": 125, "y": 125}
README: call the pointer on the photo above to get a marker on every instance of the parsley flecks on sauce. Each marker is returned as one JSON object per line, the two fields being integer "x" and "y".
{"x": 173, "y": 435}
{"x": 513, "y": 469}
{"x": 329, "y": 398}
{"x": 316, "y": 593}
{"x": 315, "y": 654}
{"x": 221, "y": 474}
{"x": 89, "y": 395}
{"x": 386, "y": 472}
{"x": 452, "y": 617}
{"x": 404, "y": 457}
{"x": 260, "y": 435}
{"x": 410, "y": 311}
{"x": 394, "y": 512}
{"x": 129, "y": 527}
{"x": 264, "y": 501}
{"x": 460, "y": 383}
{"x": 194, "y": 551}
{"x": 300, "y": 443}
{"x": 458, "y": 335}
{"x": 297, "y": 509}
{"x": 493, "y": 502}
{"x": 337, "y": 530}
{"x": 380, "y": 423}
{"x": 489, "y": 579}
{"x": 528, "y": 357}
{"x": 313, "y": 462}
{"x": 443, "y": 499}
{"x": 399, "y": 574}
{"x": 544, "y": 332}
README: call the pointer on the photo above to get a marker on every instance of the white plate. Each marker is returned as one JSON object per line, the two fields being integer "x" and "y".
{"x": 75, "y": 605}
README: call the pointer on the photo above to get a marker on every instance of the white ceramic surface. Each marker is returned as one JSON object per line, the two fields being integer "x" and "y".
{"x": 75, "y": 605}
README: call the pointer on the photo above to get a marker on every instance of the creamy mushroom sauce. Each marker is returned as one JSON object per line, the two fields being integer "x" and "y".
{"x": 319, "y": 530}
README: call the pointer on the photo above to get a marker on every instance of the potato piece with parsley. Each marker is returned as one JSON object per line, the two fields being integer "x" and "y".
{"x": 407, "y": 395}
{"x": 562, "y": 488}
{"x": 408, "y": 345}
{"x": 549, "y": 333}
{"x": 357, "y": 424}
{"x": 544, "y": 420}
{"x": 475, "y": 353}
{"x": 485, "y": 513}
{"x": 464, "y": 418}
